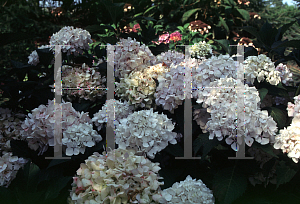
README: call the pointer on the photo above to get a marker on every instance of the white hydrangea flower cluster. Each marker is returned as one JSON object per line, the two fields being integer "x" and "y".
{"x": 294, "y": 109}
{"x": 170, "y": 57}
{"x": 288, "y": 138}
{"x": 9, "y": 166}
{"x": 74, "y": 40}
{"x": 189, "y": 191}
{"x": 145, "y": 131}
{"x": 33, "y": 58}
{"x": 111, "y": 113}
{"x": 260, "y": 67}
{"x": 221, "y": 104}
{"x": 170, "y": 91}
{"x": 38, "y": 127}
{"x": 82, "y": 77}
{"x": 118, "y": 177}
{"x": 200, "y": 49}
{"x": 137, "y": 88}
{"x": 10, "y": 128}
{"x": 131, "y": 56}
{"x": 213, "y": 68}
{"x": 157, "y": 70}
{"x": 77, "y": 137}
{"x": 285, "y": 74}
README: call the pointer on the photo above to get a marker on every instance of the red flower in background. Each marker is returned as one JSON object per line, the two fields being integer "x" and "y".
{"x": 166, "y": 37}
{"x": 136, "y": 27}
{"x": 176, "y": 36}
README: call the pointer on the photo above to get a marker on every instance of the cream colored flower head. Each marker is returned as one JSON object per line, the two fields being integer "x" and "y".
{"x": 261, "y": 67}
{"x": 288, "y": 139}
{"x": 157, "y": 70}
{"x": 137, "y": 88}
{"x": 119, "y": 177}
{"x": 200, "y": 49}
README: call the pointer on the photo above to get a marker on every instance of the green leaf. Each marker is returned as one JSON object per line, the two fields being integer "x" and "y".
{"x": 180, "y": 28}
{"x": 27, "y": 178}
{"x": 82, "y": 106}
{"x": 262, "y": 93}
{"x": 188, "y": 14}
{"x": 175, "y": 150}
{"x": 55, "y": 162}
{"x": 267, "y": 34}
{"x": 45, "y": 56}
{"x": 252, "y": 31}
{"x": 283, "y": 29}
{"x": 278, "y": 115}
{"x": 149, "y": 9}
{"x": 284, "y": 173}
{"x": 6, "y": 195}
{"x": 229, "y": 184}
{"x": 228, "y": 10}
{"x": 205, "y": 143}
{"x": 225, "y": 44}
{"x": 244, "y": 14}
{"x": 186, "y": 25}
{"x": 291, "y": 43}
{"x": 266, "y": 148}
{"x": 55, "y": 186}
{"x": 224, "y": 24}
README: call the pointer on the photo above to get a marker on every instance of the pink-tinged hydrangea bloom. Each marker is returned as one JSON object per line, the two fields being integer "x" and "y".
{"x": 77, "y": 129}
{"x": 176, "y": 36}
{"x": 285, "y": 74}
{"x": 170, "y": 57}
{"x": 164, "y": 38}
{"x": 130, "y": 56}
{"x": 136, "y": 28}
{"x": 74, "y": 40}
